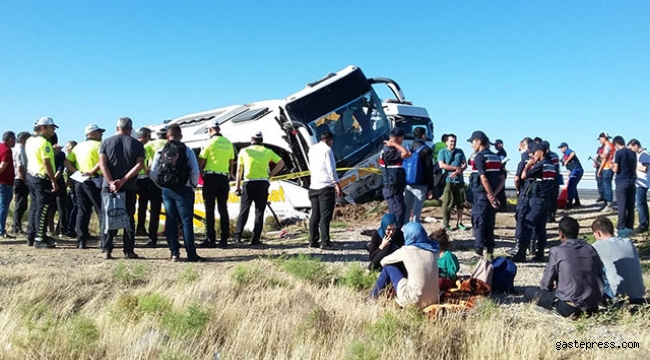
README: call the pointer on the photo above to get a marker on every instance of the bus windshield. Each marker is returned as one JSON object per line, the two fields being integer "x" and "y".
{"x": 359, "y": 128}
{"x": 410, "y": 123}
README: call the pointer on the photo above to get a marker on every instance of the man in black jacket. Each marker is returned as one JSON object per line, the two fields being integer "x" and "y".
{"x": 414, "y": 194}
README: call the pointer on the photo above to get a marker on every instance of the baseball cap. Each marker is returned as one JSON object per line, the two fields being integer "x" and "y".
{"x": 258, "y": 135}
{"x": 46, "y": 121}
{"x": 213, "y": 124}
{"x": 478, "y": 134}
{"x": 604, "y": 134}
{"x": 396, "y": 131}
{"x": 563, "y": 144}
{"x": 93, "y": 127}
{"x": 124, "y": 122}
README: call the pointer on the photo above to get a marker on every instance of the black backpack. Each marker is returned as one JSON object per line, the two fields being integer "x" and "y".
{"x": 173, "y": 170}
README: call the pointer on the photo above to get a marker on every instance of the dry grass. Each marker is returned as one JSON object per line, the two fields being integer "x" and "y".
{"x": 266, "y": 309}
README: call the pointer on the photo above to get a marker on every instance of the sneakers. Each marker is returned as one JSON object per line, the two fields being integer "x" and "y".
{"x": 141, "y": 232}
{"x": 7, "y": 236}
{"x": 257, "y": 243}
{"x": 81, "y": 245}
{"x": 329, "y": 246}
{"x": 640, "y": 230}
{"x": 107, "y": 255}
{"x": 460, "y": 226}
{"x": 131, "y": 255}
{"x": 448, "y": 228}
{"x": 151, "y": 243}
{"x": 175, "y": 258}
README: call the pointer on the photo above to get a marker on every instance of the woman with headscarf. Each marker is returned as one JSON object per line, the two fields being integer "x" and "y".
{"x": 385, "y": 240}
{"x": 420, "y": 258}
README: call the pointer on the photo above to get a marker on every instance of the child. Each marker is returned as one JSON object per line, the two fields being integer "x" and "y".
{"x": 447, "y": 262}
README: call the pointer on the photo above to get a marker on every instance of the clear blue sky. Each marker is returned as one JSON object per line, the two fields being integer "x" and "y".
{"x": 562, "y": 70}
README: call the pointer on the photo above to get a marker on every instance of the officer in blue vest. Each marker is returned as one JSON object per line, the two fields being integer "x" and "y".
{"x": 486, "y": 180}
{"x": 541, "y": 173}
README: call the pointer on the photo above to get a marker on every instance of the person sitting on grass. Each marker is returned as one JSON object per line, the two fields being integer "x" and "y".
{"x": 419, "y": 255}
{"x": 573, "y": 278}
{"x": 447, "y": 261}
{"x": 385, "y": 240}
{"x": 621, "y": 261}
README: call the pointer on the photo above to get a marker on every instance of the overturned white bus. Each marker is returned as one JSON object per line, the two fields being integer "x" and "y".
{"x": 343, "y": 103}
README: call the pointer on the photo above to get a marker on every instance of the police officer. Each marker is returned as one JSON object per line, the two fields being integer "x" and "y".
{"x": 486, "y": 180}
{"x": 393, "y": 174}
{"x": 541, "y": 173}
{"x": 85, "y": 158}
{"x": 148, "y": 192}
{"x": 252, "y": 165}
{"x": 559, "y": 181}
{"x": 41, "y": 181}
{"x": 526, "y": 147}
{"x": 216, "y": 162}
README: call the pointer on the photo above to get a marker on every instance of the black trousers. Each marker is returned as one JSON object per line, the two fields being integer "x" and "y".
{"x": 21, "y": 193}
{"x": 547, "y": 300}
{"x": 61, "y": 201}
{"x": 625, "y": 197}
{"x": 216, "y": 187}
{"x": 88, "y": 197}
{"x": 322, "y": 209}
{"x": 252, "y": 192}
{"x": 128, "y": 236}
{"x": 148, "y": 192}
{"x": 40, "y": 192}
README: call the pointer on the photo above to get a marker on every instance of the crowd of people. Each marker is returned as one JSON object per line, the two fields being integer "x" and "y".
{"x": 144, "y": 172}
{"x": 148, "y": 172}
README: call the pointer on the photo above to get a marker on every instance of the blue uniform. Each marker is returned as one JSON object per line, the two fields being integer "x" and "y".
{"x": 539, "y": 192}
{"x": 394, "y": 179}
{"x": 483, "y": 214}
{"x": 559, "y": 180}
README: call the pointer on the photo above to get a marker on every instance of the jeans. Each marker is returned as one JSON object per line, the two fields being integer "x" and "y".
{"x": 414, "y": 196}
{"x": 252, "y": 192}
{"x": 21, "y": 193}
{"x": 72, "y": 212}
{"x": 625, "y": 198}
{"x": 216, "y": 188}
{"x": 6, "y": 194}
{"x": 390, "y": 274}
{"x": 607, "y": 176}
{"x": 396, "y": 205}
{"x": 322, "y": 209}
{"x": 599, "y": 185}
{"x": 179, "y": 205}
{"x": 548, "y": 301}
{"x": 572, "y": 186}
{"x": 128, "y": 236}
{"x": 642, "y": 206}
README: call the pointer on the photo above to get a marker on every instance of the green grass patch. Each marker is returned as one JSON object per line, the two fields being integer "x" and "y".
{"x": 82, "y": 332}
{"x": 338, "y": 224}
{"x": 432, "y": 202}
{"x": 361, "y": 350}
{"x": 590, "y": 238}
{"x": 645, "y": 267}
{"x": 357, "y": 277}
{"x": 188, "y": 275}
{"x": 307, "y": 268}
{"x": 486, "y": 309}
{"x": 188, "y": 322}
{"x": 132, "y": 274}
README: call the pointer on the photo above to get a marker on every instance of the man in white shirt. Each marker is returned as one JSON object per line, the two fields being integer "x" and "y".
{"x": 21, "y": 191}
{"x": 323, "y": 188}
{"x": 642, "y": 183}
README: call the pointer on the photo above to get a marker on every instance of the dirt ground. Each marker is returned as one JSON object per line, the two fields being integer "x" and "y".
{"x": 350, "y": 225}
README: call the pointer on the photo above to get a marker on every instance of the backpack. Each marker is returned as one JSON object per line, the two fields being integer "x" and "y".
{"x": 503, "y": 278}
{"x": 483, "y": 271}
{"x": 173, "y": 170}
{"x": 413, "y": 167}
